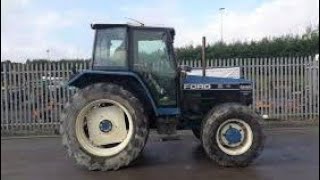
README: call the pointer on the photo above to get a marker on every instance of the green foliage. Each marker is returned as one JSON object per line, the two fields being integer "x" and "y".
{"x": 289, "y": 45}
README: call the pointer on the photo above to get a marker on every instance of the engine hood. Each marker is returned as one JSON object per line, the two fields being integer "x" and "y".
{"x": 193, "y": 82}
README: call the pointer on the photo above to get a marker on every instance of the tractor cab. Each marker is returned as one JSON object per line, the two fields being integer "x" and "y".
{"x": 145, "y": 51}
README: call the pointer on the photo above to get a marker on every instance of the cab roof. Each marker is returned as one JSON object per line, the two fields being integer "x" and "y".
{"x": 103, "y": 26}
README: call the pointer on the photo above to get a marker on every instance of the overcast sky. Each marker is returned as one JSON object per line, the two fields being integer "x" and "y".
{"x": 30, "y": 27}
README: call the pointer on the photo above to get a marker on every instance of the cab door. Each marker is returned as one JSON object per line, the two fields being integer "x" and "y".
{"x": 152, "y": 61}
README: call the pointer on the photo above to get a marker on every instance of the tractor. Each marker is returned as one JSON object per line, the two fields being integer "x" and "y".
{"x": 134, "y": 85}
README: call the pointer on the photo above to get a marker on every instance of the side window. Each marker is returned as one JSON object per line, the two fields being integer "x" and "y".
{"x": 111, "y": 48}
{"x": 154, "y": 55}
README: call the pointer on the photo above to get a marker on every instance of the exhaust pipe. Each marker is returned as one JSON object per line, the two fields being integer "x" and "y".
{"x": 203, "y": 60}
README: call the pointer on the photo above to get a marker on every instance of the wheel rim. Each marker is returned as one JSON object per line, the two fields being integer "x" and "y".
{"x": 234, "y": 137}
{"x": 104, "y": 127}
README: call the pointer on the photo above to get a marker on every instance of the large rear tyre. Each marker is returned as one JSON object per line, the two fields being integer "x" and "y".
{"x": 104, "y": 127}
{"x": 232, "y": 135}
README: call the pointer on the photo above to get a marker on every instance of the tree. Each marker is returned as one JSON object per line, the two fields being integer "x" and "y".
{"x": 288, "y": 45}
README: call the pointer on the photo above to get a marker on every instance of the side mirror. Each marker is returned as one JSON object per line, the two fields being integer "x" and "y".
{"x": 185, "y": 68}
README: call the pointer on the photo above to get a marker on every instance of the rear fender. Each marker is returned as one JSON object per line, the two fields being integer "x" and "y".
{"x": 88, "y": 77}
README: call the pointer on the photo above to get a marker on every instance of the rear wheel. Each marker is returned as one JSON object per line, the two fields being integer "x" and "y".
{"x": 104, "y": 127}
{"x": 232, "y": 136}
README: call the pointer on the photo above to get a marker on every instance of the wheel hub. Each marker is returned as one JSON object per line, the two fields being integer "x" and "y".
{"x": 105, "y": 126}
{"x": 233, "y": 135}
{"x": 94, "y": 120}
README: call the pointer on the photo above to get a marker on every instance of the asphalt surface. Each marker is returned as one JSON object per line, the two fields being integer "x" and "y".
{"x": 290, "y": 153}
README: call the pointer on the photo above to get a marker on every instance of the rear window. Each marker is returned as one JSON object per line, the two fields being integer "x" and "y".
{"x": 111, "y": 48}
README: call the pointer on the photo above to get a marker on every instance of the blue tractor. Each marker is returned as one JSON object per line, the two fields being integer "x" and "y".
{"x": 135, "y": 84}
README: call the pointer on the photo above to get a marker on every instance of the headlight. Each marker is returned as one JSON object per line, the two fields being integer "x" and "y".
{"x": 246, "y": 87}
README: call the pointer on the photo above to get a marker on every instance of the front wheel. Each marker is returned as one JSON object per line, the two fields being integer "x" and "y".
{"x": 232, "y": 135}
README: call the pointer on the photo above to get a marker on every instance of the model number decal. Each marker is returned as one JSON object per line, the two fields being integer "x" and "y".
{"x": 197, "y": 86}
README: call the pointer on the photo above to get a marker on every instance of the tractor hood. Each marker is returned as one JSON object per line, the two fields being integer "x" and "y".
{"x": 194, "y": 82}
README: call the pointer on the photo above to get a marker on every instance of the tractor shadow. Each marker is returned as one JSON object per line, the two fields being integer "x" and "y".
{"x": 171, "y": 152}
{"x": 180, "y": 152}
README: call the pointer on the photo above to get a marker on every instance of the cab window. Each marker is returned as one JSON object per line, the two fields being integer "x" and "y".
{"x": 111, "y": 48}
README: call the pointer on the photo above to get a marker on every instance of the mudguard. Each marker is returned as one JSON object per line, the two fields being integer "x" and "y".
{"x": 81, "y": 79}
